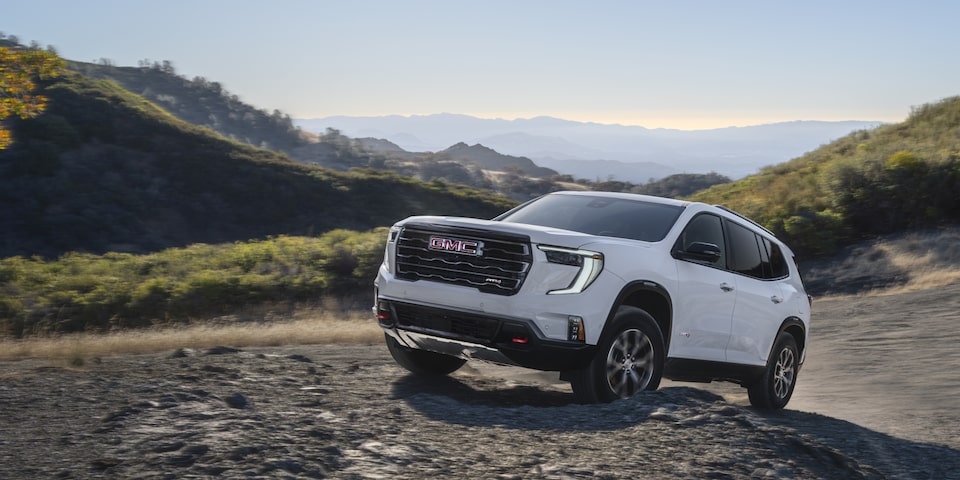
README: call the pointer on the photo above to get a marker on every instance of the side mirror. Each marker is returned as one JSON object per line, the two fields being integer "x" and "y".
{"x": 699, "y": 251}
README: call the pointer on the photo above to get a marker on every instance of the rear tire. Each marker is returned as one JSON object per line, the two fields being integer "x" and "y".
{"x": 629, "y": 360}
{"x": 422, "y": 362}
{"x": 774, "y": 390}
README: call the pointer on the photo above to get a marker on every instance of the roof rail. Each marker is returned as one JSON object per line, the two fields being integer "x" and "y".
{"x": 761, "y": 227}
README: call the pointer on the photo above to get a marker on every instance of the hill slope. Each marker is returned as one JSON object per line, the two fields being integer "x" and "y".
{"x": 491, "y": 160}
{"x": 206, "y": 103}
{"x": 105, "y": 170}
{"x": 201, "y": 102}
{"x": 889, "y": 179}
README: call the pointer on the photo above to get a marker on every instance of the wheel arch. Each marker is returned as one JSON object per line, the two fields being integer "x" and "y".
{"x": 651, "y": 297}
{"x": 795, "y": 327}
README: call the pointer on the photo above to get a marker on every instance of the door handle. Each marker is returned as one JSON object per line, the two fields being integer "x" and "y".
{"x": 776, "y": 299}
{"x": 726, "y": 287}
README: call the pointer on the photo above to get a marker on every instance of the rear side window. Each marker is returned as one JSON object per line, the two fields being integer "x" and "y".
{"x": 777, "y": 268}
{"x": 754, "y": 255}
{"x": 744, "y": 251}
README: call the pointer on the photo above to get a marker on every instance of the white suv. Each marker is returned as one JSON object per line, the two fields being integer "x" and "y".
{"x": 612, "y": 290}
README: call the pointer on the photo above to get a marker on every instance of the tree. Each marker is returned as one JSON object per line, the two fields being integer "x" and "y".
{"x": 19, "y": 69}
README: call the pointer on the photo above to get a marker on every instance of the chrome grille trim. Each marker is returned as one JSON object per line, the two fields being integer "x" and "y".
{"x": 501, "y": 269}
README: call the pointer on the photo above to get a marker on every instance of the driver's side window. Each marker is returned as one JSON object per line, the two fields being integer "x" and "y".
{"x": 705, "y": 228}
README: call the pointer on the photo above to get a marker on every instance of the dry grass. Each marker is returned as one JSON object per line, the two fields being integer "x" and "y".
{"x": 897, "y": 264}
{"x": 930, "y": 261}
{"x": 305, "y": 327}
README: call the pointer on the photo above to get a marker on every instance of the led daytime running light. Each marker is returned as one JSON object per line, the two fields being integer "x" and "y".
{"x": 591, "y": 264}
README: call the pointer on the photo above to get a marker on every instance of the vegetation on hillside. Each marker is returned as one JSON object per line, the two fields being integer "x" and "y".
{"x": 86, "y": 292}
{"x": 201, "y": 102}
{"x": 105, "y": 170}
{"x": 206, "y": 103}
{"x": 20, "y": 69}
{"x": 889, "y": 179}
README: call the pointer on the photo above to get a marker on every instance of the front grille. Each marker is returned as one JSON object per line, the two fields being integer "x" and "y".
{"x": 500, "y": 266}
{"x": 464, "y": 326}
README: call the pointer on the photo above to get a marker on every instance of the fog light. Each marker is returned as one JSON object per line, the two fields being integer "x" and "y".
{"x": 575, "y": 330}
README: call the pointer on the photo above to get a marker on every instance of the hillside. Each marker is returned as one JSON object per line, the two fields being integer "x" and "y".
{"x": 105, "y": 170}
{"x": 207, "y": 103}
{"x": 201, "y": 102}
{"x": 489, "y": 159}
{"x": 889, "y": 179}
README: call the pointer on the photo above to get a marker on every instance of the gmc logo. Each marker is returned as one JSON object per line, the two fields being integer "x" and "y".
{"x": 465, "y": 247}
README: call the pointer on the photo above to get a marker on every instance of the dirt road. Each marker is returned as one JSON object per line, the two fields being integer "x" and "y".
{"x": 876, "y": 399}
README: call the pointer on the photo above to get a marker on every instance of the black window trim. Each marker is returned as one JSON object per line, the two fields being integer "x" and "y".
{"x": 759, "y": 236}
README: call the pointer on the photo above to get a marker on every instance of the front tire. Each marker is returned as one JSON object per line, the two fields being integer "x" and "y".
{"x": 629, "y": 360}
{"x": 422, "y": 362}
{"x": 774, "y": 390}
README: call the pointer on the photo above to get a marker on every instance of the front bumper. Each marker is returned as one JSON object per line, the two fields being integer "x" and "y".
{"x": 510, "y": 341}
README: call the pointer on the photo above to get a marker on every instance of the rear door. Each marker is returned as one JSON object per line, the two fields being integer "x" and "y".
{"x": 760, "y": 306}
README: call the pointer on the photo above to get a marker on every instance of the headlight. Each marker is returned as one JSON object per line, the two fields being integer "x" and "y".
{"x": 590, "y": 263}
{"x": 391, "y": 240}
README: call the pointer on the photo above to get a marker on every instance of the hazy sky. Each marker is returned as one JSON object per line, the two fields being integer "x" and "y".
{"x": 670, "y": 63}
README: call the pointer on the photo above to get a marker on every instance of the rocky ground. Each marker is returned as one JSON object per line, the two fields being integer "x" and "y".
{"x": 344, "y": 411}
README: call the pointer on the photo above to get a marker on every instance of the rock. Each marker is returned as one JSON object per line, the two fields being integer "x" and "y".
{"x": 236, "y": 400}
{"x": 299, "y": 358}
{"x": 182, "y": 353}
{"x": 220, "y": 350}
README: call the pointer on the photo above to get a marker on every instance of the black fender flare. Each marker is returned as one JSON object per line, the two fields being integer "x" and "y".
{"x": 793, "y": 324}
{"x": 639, "y": 290}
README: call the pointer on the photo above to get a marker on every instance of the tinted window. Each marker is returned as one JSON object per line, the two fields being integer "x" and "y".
{"x": 612, "y": 217}
{"x": 744, "y": 251}
{"x": 708, "y": 229}
{"x": 778, "y": 264}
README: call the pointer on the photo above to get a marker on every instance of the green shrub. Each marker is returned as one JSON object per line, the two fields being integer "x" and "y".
{"x": 84, "y": 292}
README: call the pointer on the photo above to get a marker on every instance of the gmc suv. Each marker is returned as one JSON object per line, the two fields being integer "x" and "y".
{"x": 612, "y": 290}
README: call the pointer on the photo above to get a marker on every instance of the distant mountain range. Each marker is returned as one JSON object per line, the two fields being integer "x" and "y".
{"x": 630, "y": 153}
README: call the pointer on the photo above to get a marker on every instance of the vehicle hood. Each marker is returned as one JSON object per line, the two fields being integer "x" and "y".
{"x": 537, "y": 233}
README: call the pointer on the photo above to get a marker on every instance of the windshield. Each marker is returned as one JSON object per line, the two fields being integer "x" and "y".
{"x": 612, "y": 217}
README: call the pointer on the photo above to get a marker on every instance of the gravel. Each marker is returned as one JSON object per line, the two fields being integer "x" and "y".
{"x": 347, "y": 411}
